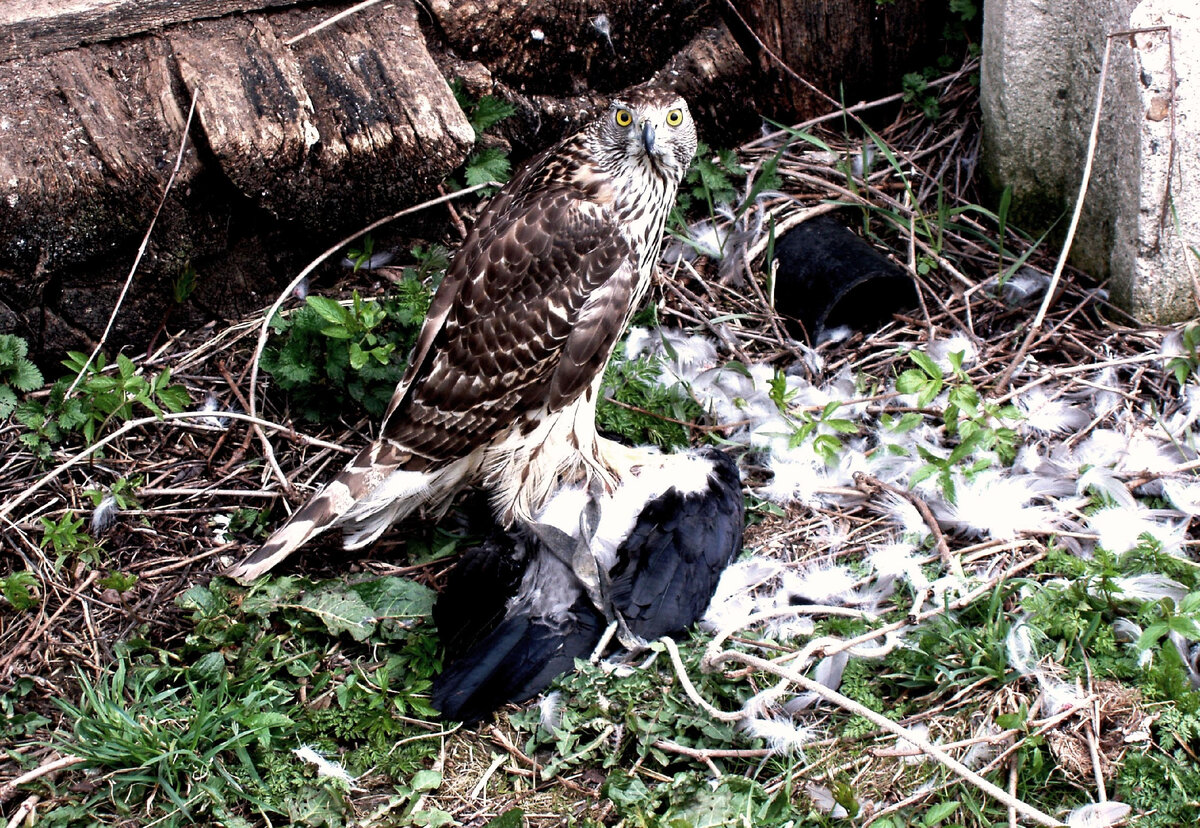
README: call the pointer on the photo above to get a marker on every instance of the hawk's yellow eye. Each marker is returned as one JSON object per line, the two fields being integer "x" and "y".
{"x": 624, "y": 118}
{"x": 675, "y": 117}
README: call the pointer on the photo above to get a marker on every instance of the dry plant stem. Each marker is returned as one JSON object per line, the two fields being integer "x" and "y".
{"x": 1094, "y": 752}
{"x": 870, "y": 485}
{"x": 34, "y": 632}
{"x": 326, "y": 23}
{"x": 713, "y": 753}
{"x": 791, "y": 220}
{"x": 10, "y": 787}
{"x": 24, "y": 811}
{"x": 189, "y": 561}
{"x": 11, "y": 505}
{"x": 265, "y": 329}
{"x": 783, "y": 612}
{"x": 137, "y": 260}
{"x": 1012, "y": 790}
{"x": 497, "y": 761}
{"x": 1052, "y": 288}
{"x": 848, "y": 704}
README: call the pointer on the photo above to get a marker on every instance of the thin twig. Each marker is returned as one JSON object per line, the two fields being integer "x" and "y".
{"x": 10, "y": 787}
{"x": 137, "y": 260}
{"x": 11, "y": 505}
{"x": 869, "y": 485}
{"x": 1052, "y": 288}
{"x": 329, "y": 21}
{"x": 265, "y": 329}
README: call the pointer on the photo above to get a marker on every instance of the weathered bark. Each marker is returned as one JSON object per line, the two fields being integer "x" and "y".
{"x": 850, "y": 50}
{"x": 291, "y": 146}
{"x": 711, "y": 71}
{"x": 350, "y": 121}
{"x": 297, "y": 144}
{"x": 718, "y": 80}
{"x": 566, "y": 47}
{"x": 29, "y": 28}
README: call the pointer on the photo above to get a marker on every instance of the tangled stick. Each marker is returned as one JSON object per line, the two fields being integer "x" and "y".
{"x": 713, "y": 661}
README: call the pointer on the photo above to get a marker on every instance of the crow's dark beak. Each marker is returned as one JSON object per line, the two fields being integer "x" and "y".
{"x": 648, "y": 137}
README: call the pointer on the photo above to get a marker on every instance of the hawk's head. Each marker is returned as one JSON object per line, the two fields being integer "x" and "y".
{"x": 648, "y": 131}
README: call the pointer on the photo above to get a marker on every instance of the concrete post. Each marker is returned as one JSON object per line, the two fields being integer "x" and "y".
{"x": 1041, "y": 67}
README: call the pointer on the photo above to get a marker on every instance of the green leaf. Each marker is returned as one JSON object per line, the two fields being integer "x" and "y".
{"x": 913, "y": 381}
{"x": 328, "y": 309}
{"x": 267, "y": 718}
{"x": 8, "y": 401}
{"x": 19, "y": 589}
{"x": 26, "y": 376}
{"x": 922, "y": 474}
{"x": 209, "y": 667}
{"x": 393, "y": 597}
{"x": 341, "y": 611}
{"x": 926, "y": 364}
{"x": 512, "y": 818}
{"x": 12, "y": 348}
{"x": 198, "y": 599}
{"x": 489, "y": 164}
{"x": 426, "y": 780}
{"x": 842, "y": 426}
{"x": 489, "y": 111}
{"x": 125, "y": 366}
{"x": 174, "y": 398}
{"x": 119, "y": 581}
{"x": 940, "y": 812}
{"x": 1152, "y": 635}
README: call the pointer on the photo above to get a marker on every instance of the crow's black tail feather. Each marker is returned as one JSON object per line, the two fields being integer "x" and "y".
{"x": 515, "y": 662}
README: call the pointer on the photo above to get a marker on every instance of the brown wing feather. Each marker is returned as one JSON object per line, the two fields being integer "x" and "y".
{"x": 537, "y": 304}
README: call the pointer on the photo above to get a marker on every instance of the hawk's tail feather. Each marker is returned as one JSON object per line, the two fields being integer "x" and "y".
{"x": 374, "y": 490}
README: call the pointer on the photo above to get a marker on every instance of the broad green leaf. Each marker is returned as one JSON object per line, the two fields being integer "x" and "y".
{"x": 426, "y": 780}
{"x": 512, "y": 818}
{"x": 18, "y": 589}
{"x": 488, "y": 165}
{"x": 393, "y": 597}
{"x": 125, "y": 366}
{"x": 209, "y": 667}
{"x": 341, "y": 611}
{"x": 940, "y": 812}
{"x": 328, "y": 309}
{"x": 174, "y": 398}
{"x": 926, "y": 364}
{"x": 27, "y": 377}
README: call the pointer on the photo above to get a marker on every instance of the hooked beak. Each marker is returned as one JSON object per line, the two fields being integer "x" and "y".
{"x": 648, "y": 137}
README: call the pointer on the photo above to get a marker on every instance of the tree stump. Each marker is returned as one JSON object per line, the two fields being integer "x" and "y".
{"x": 566, "y": 47}
{"x": 293, "y": 144}
{"x": 849, "y": 50}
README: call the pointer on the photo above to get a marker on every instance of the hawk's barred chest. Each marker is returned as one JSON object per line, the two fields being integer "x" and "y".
{"x": 639, "y": 194}
{"x": 502, "y": 384}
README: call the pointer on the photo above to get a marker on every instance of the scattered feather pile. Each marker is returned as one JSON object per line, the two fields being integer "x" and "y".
{"x": 1066, "y": 457}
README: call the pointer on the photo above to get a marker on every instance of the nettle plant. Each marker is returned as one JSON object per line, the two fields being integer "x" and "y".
{"x": 486, "y": 163}
{"x": 17, "y": 373}
{"x": 977, "y": 424}
{"x": 103, "y": 395}
{"x": 330, "y": 356}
